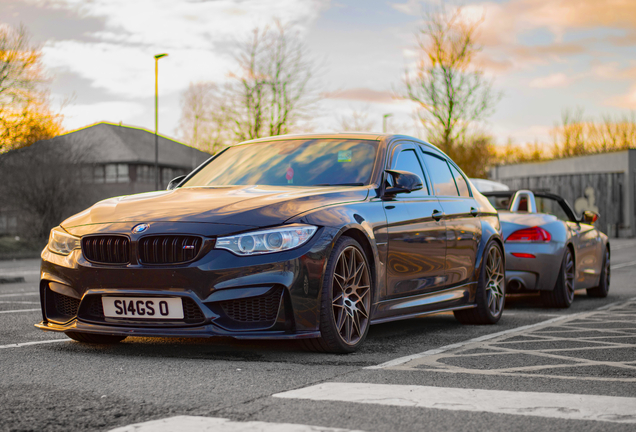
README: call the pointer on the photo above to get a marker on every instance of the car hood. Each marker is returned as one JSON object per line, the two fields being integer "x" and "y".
{"x": 233, "y": 205}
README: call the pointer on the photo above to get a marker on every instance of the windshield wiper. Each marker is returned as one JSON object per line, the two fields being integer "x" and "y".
{"x": 339, "y": 184}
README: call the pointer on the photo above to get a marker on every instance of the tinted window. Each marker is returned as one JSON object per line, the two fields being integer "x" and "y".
{"x": 551, "y": 206}
{"x": 460, "y": 182}
{"x": 407, "y": 161}
{"x": 443, "y": 182}
{"x": 319, "y": 162}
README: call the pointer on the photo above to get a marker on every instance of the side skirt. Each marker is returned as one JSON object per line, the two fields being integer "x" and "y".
{"x": 460, "y": 297}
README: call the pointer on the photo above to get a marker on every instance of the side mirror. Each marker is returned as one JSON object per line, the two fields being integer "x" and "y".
{"x": 403, "y": 182}
{"x": 175, "y": 182}
{"x": 589, "y": 217}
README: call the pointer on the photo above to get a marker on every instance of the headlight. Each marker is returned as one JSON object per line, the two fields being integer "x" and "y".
{"x": 61, "y": 242}
{"x": 267, "y": 241}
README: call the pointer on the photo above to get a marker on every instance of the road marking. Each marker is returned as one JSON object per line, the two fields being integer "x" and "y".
{"x": 215, "y": 424}
{"x": 19, "y": 345}
{"x": 406, "y": 359}
{"x": 20, "y": 302}
{"x": 435, "y": 351}
{"x": 22, "y": 294}
{"x": 20, "y": 310}
{"x": 18, "y": 272}
{"x": 555, "y": 405}
{"x": 617, "y": 266}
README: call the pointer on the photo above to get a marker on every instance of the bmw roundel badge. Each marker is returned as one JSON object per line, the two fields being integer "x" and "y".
{"x": 137, "y": 229}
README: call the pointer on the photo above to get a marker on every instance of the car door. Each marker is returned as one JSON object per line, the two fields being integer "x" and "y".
{"x": 463, "y": 226}
{"x": 417, "y": 233}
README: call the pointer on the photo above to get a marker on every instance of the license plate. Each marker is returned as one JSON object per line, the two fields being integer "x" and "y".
{"x": 143, "y": 307}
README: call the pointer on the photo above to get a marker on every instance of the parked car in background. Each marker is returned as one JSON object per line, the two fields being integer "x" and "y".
{"x": 549, "y": 249}
{"x": 310, "y": 237}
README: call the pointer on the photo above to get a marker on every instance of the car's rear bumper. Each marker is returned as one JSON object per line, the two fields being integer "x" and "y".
{"x": 537, "y": 269}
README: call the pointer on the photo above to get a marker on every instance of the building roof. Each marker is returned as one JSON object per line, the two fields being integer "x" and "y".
{"x": 113, "y": 143}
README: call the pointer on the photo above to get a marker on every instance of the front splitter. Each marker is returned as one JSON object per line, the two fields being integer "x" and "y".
{"x": 204, "y": 331}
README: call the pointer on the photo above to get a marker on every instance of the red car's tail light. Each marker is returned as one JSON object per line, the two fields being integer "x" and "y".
{"x": 529, "y": 235}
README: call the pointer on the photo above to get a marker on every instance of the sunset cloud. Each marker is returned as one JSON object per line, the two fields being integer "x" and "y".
{"x": 362, "y": 94}
{"x": 551, "y": 81}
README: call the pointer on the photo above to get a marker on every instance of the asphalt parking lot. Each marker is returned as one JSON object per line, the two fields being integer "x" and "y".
{"x": 538, "y": 369}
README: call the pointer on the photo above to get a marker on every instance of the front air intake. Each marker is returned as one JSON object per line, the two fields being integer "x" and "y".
{"x": 168, "y": 249}
{"x": 106, "y": 249}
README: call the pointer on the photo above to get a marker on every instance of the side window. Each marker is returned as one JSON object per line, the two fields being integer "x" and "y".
{"x": 407, "y": 161}
{"x": 460, "y": 181}
{"x": 441, "y": 175}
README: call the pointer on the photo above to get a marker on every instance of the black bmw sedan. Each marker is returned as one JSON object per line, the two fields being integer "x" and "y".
{"x": 309, "y": 237}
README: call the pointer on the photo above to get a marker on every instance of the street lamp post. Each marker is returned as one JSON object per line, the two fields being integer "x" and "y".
{"x": 157, "y": 57}
{"x": 384, "y": 117}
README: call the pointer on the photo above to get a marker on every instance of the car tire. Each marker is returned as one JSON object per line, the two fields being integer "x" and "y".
{"x": 491, "y": 289}
{"x": 346, "y": 300}
{"x": 95, "y": 338}
{"x": 604, "y": 283}
{"x": 562, "y": 295}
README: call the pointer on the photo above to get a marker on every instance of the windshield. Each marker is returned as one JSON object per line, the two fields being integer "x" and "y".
{"x": 319, "y": 162}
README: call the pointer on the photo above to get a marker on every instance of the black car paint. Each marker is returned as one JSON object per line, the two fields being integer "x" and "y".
{"x": 217, "y": 275}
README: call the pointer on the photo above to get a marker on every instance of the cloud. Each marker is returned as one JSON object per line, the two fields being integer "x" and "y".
{"x": 76, "y": 116}
{"x": 197, "y": 35}
{"x": 627, "y": 101}
{"x": 551, "y": 81}
{"x": 361, "y": 94}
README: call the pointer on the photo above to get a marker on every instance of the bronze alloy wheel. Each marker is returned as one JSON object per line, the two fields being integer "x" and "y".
{"x": 351, "y": 296}
{"x": 490, "y": 295}
{"x": 495, "y": 281}
{"x": 346, "y": 300}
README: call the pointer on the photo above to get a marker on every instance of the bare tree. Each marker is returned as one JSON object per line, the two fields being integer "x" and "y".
{"x": 358, "y": 121}
{"x": 205, "y": 120}
{"x": 43, "y": 184}
{"x": 272, "y": 85}
{"x": 450, "y": 90}
{"x": 267, "y": 95}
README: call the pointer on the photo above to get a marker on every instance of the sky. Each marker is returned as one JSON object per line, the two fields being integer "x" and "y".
{"x": 543, "y": 56}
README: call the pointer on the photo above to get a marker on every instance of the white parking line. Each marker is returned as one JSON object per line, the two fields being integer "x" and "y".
{"x": 19, "y": 345}
{"x": 20, "y": 310}
{"x": 22, "y": 294}
{"x": 214, "y": 424}
{"x": 554, "y": 405}
{"x": 17, "y": 302}
{"x": 17, "y": 272}
{"x": 617, "y": 266}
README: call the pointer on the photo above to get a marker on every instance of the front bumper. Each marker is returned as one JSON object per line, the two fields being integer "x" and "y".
{"x": 225, "y": 295}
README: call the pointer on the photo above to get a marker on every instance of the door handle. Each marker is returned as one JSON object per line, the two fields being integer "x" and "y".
{"x": 437, "y": 215}
{"x": 474, "y": 211}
